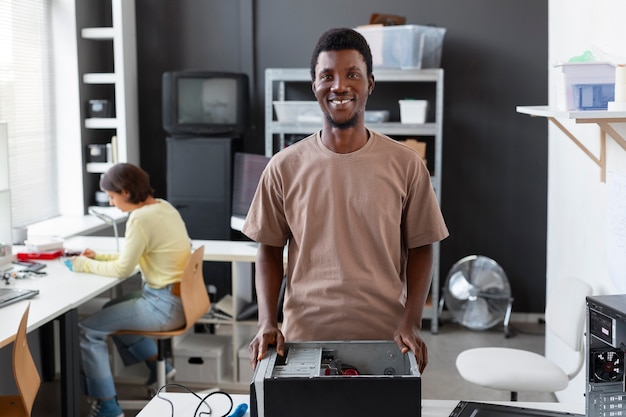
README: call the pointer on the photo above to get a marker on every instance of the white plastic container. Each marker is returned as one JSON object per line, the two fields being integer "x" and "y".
{"x": 404, "y": 46}
{"x": 298, "y": 111}
{"x": 413, "y": 111}
{"x": 202, "y": 358}
{"x": 581, "y": 73}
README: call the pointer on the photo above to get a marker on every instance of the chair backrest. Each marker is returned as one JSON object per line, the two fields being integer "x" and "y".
{"x": 25, "y": 371}
{"x": 566, "y": 311}
{"x": 247, "y": 170}
{"x": 193, "y": 292}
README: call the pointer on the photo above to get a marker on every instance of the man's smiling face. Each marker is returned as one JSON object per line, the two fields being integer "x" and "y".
{"x": 342, "y": 86}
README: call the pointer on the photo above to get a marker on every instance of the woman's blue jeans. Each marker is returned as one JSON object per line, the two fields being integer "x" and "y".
{"x": 151, "y": 309}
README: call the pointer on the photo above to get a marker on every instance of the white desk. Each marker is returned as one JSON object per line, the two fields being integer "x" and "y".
{"x": 185, "y": 404}
{"x": 214, "y": 250}
{"x": 61, "y": 292}
{"x": 242, "y": 256}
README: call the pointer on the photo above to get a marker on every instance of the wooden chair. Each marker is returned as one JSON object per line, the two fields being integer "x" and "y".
{"x": 195, "y": 301}
{"x": 26, "y": 376}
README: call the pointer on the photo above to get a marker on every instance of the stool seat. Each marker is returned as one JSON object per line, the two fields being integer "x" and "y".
{"x": 494, "y": 367}
{"x": 517, "y": 370}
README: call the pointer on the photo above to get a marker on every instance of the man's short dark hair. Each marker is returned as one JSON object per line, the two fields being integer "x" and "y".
{"x": 338, "y": 39}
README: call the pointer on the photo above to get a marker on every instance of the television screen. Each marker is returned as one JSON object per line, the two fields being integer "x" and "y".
{"x": 202, "y": 102}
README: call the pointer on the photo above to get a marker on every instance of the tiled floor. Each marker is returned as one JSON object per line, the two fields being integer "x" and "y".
{"x": 439, "y": 381}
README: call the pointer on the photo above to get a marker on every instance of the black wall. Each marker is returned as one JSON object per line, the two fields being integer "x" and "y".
{"x": 495, "y": 58}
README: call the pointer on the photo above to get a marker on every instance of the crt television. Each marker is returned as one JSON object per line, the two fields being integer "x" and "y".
{"x": 197, "y": 102}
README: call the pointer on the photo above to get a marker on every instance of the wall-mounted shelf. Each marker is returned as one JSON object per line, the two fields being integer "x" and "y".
{"x": 97, "y": 78}
{"x": 103, "y": 33}
{"x": 604, "y": 119}
{"x": 98, "y": 167}
{"x": 101, "y": 123}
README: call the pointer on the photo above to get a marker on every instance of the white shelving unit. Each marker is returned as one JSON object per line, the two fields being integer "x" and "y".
{"x": 276, "y": 80}
{"x": 124, "y": 125}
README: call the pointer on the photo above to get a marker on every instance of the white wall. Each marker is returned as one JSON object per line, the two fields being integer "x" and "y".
{"x": 577, "y": 199}
{"x": 67, "y": 102}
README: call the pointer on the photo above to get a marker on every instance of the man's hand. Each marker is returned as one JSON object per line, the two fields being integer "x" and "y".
{"x": 264, "y": 338}
{"x": 409, "y": 339}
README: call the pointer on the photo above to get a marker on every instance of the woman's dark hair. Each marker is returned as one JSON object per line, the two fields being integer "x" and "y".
{"x": 338, "y": 39}
{"x": 128, "y": 177}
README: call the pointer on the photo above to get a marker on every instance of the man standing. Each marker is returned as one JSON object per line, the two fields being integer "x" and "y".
{"x": 359, "y": 215}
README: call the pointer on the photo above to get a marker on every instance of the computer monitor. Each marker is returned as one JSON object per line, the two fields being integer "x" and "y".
{"x": 205, "y": 103}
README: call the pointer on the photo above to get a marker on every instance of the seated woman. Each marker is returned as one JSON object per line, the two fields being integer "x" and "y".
{"x": 156, "y": 239}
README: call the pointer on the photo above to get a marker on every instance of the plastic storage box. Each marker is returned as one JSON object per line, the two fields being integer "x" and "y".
{"x": 298, "y": 111}
{"x": 581, "y": 73}
{"x": 593, "y": 96}
{"x": 413, "y": 111}
{"x": 404, "y": 46}
{"x": 203, "y": 358}
{"x": 376, "y": 116}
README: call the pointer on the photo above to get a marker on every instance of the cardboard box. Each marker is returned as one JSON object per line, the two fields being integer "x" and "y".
{"x": 203, "y": 358}
{"x": 420, "y": 147}
{"x": 404, "y": 46}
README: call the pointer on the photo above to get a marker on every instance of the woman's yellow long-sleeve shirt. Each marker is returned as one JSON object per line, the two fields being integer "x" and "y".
{"x": 156, "y": 240}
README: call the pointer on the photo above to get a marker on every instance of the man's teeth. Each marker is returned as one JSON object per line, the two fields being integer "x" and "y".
{"x": 340, "y": 101}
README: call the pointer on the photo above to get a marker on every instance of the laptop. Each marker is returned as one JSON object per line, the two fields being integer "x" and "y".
{"x": 12, "y": 295}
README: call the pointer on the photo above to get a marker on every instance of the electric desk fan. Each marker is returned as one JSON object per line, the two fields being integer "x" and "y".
{"x": 478, "y": 294}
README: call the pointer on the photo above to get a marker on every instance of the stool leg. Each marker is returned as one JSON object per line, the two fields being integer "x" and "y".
{"x": 160, "y": 365}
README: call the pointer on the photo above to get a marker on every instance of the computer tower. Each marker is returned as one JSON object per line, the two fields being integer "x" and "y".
{"x": 337, "y": 379}
{"x": 605, "y": 347}
{"x": 199, "y": 185}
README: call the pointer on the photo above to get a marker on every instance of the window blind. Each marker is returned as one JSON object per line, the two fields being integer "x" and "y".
{"x": 25, "y": 104}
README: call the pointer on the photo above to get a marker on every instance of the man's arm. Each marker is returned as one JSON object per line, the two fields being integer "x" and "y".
{"x": 269, "y": 277}
{"x": 418, "y": 277}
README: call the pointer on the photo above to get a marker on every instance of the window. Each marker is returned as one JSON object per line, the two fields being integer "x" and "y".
{"x": 25, "y": 104}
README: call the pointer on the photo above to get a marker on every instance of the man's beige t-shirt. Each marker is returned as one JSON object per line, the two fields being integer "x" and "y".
{"x": 349, "y": 220}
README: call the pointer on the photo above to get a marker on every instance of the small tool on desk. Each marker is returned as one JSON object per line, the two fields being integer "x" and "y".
{"x": 240, "y": 411}
{"x": 30, "y": 266}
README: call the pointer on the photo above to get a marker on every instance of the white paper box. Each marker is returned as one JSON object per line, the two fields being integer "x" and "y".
{"x": 413, "y": 111}
{"x": 203, "y": 358}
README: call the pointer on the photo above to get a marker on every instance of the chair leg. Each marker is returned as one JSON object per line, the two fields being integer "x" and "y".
{"x": 513, "y": 396}
{"x": 161, "y": 372}
{"x": 161, "y": 379}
